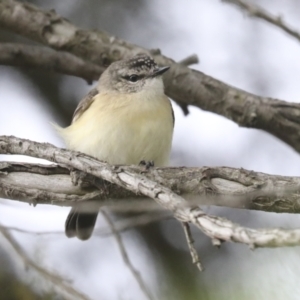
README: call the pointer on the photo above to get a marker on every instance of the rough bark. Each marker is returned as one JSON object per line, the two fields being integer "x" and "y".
{"x": 222, "y": 186}
{"x": 217, "y": 228}
{"x": 42, "y": 58}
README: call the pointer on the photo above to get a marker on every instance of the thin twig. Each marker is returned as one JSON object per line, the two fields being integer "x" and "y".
{"x": 56, "y": 280}
{"x": 190, "y": 60}
{"x": 136, "y": 274}
{"x": 136, "y": 221}
{"x": 32, "y": 232}
{"x": 259, "y": 12}
{"x": 190, "y": 242}
{"x": 120, "y": 226}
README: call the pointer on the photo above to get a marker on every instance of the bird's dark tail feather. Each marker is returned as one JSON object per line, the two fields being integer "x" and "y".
{"x": 80, "y": 224}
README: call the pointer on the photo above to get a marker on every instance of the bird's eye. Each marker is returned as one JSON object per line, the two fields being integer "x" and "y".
{"x": 133, "y": 78}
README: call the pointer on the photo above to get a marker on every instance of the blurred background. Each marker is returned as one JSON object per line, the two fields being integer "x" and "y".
{"x": 247, "y": 53}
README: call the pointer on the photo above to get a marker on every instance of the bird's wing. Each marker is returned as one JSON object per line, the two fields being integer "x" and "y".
{"x": 84, "y": 104}
{"x": 173, "y": 115}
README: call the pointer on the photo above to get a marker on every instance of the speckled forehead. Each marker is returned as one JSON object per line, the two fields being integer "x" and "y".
{"x": 143, "y": 63}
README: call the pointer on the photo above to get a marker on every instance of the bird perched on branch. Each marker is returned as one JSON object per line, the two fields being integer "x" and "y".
{"x": 126, "y": 119}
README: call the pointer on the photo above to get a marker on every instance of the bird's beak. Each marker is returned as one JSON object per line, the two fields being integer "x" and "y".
{"x": 160, "y": 71}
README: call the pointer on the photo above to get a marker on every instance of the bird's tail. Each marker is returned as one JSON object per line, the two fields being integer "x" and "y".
{"x": 80, "y": 224}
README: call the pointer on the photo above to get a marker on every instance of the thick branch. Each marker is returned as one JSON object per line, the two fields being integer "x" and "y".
{"x": 258, "y": 12}
{"x": 184, "y": 85}
{"x": 218, "y": 229}
{"x": 43, "y": 58}
{"x": 236, "y": 188}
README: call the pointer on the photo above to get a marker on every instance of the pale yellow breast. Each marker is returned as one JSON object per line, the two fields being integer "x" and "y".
{"x": 125, "y": 129}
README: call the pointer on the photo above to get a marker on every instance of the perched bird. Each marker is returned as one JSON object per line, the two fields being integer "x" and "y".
{"x": 126, "y": 119}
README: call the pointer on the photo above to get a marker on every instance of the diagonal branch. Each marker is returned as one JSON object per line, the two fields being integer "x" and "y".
{"x": 120, "y": 225}
{"x": 260, "y": 13}
{"x": 21, "y": 55}
{"x": 223, "y": 186}
{"x": 135, "y": 273}
{"x": 192, "y": 249}
{"x": 217, "y": 228}
{"x": 56, "y": 280}
{"x": 184, "y": 85}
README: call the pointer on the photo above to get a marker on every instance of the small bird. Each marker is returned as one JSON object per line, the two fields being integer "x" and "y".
{"x": 125, "y": 120}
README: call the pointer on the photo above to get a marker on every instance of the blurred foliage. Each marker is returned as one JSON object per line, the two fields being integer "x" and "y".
{"x": 12, "y": 288}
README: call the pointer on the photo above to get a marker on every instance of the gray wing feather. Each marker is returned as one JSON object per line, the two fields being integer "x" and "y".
{"x": 173, "y": 115}
{"x": 84, "y": 104}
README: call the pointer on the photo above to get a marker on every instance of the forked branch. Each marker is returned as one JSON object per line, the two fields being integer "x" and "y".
{"x": 217, "y": 228}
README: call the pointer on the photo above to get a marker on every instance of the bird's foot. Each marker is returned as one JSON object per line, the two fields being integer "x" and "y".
{"x": 147, "y": 165}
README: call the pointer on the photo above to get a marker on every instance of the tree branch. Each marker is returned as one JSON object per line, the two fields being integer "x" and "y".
{"x": 120, "y": 225}
{"x": 55, "y": 279}
{"x": 184, "y": 85}
{"x": 135, "y": 273}
{"x": 21, "y": 55}
{"x": 217, "y": 228}
{"x": 236, "y": 188}
{"x": 258, "y": 12}
{"x": 192, "y": 249}
{"x": 190, "y": 60}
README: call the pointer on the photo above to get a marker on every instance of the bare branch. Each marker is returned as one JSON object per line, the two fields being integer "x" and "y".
{"x": 190, "y": 242}
{"x": 190, "y": 60}
{"x": 217, "y": 228}
{"x": 43, "y": 58}
{"x": 259, "y": 12}
{"x": 56, "y": 280}
{"x": 184, "y": 85}
{"x": 32, "y": 232}
{"x": 136, "y": 274}
{"x": 220, "y": 229}
{"x": 134, "y": 222}
{"x": 120, "y": 225}
{"x": 237, "y": 188}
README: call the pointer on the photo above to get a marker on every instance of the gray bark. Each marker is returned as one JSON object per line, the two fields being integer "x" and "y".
{"x": 131, "y": 179}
